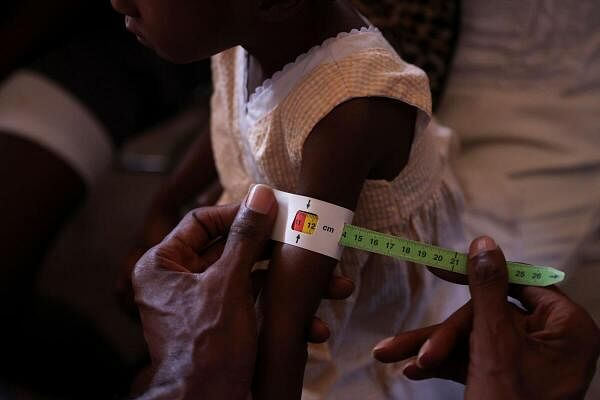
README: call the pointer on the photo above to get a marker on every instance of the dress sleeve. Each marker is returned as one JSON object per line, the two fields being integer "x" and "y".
{"x": 372, "y": 73}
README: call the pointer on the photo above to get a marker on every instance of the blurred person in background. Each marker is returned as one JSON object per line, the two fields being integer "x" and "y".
{"x": 73, "y": 87}
{"x": 523, "y": 97}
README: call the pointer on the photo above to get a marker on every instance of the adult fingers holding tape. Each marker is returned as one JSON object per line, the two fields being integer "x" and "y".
{"x": 500, "y": 351}
{"x": 196, "y": 300}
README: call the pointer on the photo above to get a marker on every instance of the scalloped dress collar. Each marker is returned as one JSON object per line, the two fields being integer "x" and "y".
{"x": 268, "y": 95}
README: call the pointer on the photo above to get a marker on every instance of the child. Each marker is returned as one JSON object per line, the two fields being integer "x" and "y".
{"x": 345, "y": 122}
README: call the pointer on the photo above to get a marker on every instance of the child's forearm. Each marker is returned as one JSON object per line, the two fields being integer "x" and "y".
{"x": 296, "y": 281}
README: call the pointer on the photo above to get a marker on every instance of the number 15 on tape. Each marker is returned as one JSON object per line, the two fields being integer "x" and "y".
{"x": 438, "y": 257}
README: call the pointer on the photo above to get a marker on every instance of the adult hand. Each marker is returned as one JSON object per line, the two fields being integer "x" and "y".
{"x": 194, "y": 174}
{"x": 196, "y": 300}
{"x": 163, "y": 216}
{"x": 500, "y": 351}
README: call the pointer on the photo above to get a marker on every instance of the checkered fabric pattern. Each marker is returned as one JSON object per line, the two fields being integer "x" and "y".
{"x": 424, "y": 32}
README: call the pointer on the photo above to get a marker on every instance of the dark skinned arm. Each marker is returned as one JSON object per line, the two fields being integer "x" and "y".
{"x": 35, "y": 203}
{"x": 40, "y": 191}
{"x": 334, "y": 169}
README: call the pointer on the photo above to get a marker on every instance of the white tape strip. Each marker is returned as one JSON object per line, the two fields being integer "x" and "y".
{"x": 310, "y": 223}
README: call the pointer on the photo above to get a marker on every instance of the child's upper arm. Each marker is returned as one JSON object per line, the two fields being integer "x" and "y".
{"x": 362, "y": 138}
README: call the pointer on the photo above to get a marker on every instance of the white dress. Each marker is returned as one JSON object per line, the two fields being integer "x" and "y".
{"x": 260, "y": 139}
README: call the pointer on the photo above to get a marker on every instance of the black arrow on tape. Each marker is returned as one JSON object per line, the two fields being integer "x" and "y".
{"x": 297, "y": 238}
{"x": 308, "y": 204}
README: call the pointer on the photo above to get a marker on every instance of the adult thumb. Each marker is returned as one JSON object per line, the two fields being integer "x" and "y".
{"x": 250, "y": 232}
{"x": 488, "y": 278}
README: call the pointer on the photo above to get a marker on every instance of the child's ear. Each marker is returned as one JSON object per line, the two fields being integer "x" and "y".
{"x": 278, "y": 10}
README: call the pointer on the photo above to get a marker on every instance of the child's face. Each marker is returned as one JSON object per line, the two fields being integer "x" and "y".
{"x": 184, "y": 31}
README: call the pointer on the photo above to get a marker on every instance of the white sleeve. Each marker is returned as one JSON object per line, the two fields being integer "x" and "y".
{"x": 35, "y": 108}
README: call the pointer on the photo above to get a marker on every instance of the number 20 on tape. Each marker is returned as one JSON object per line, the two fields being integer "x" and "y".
{"x": 438, "y": 257}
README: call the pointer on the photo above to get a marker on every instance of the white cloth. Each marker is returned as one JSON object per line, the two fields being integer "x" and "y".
{"x": 35, "y": 108}
{"x": 524, "y": 98}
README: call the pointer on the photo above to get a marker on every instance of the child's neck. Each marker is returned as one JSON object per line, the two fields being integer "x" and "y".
{"x": 279, "y": 44}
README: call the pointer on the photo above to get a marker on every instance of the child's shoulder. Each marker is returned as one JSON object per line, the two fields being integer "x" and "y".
{"x": 359, "y": 63}
{"x": 357, "y": 83}
{"x": 352, "y": 65}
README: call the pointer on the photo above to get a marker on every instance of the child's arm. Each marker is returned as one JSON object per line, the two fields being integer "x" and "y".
{"x": 360, "y": 139}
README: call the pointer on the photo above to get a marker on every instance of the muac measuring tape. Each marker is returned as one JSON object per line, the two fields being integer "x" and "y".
{"x": 326, "y": 229}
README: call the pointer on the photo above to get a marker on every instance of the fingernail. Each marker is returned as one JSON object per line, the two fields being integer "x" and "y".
{"x": 260, "y": 199}
{"x": 383, "y": 344}
{"x": 421, "y": 357}
{"x": 481, "y": 245}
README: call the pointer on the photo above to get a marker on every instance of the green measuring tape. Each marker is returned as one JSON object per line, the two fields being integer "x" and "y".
{"x": 438, "y": 257}
{"x": 315, "y": 225}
